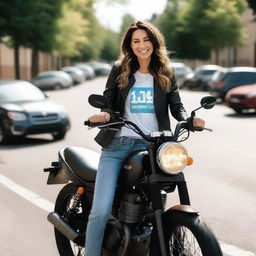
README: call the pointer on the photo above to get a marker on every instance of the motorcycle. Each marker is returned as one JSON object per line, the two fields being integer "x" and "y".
{"x": 139, "y": 224}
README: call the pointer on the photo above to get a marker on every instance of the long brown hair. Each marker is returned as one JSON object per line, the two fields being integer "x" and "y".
{"x": 159, "y": 65}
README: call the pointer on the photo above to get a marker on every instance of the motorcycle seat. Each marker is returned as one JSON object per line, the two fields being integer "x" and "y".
{"x": 83, "y": 162}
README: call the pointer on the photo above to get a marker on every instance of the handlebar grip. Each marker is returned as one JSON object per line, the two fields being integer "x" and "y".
{"x": 92, "y": 124}
{"x": 87, "y": 123}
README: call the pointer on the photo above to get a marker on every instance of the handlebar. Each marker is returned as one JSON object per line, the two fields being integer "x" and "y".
{"x": 118, "y": 121}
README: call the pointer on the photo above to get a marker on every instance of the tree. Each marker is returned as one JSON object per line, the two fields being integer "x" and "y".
{"x": 180, "y": 36}
{"x": 224, "y": 25}
{"x": 72, "y": 28}
{"x": 42, "y": 34}
{"x": 200, "y": 26}
{"x": 126, "y": 21}
{"x": 91, "y": 49}
{"x": 29, "y": 23}
{"x": 110, "y": 49}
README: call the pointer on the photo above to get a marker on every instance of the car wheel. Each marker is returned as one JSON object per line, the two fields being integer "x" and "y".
{"x": 238, "y": 111}
{"x": 58, "y": 135}
{"x": 4, "y": 136}
{"x": 57, "y": 86}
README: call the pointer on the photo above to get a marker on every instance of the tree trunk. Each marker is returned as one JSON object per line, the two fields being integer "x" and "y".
{"x": 217, "y": 54}
{"x": 34, "y": 62}
{"x": 17, "y": 60}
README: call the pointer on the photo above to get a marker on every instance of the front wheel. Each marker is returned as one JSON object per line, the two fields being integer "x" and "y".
{"x": 187, "y": 235}
{"x": 59, "y": 135}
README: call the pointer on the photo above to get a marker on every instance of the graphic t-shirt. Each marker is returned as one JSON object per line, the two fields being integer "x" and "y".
{"x": 139, "y": 105}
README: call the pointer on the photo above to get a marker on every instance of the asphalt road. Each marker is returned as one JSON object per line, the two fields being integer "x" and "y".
{"x": 221, "y": 181}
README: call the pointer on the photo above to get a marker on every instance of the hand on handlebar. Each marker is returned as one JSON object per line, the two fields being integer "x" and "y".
{"x": 102, "y": 117}
{"x": 195, "y": 124}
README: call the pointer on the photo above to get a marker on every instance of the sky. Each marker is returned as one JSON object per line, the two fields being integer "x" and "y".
{"x": 111, "y": 15}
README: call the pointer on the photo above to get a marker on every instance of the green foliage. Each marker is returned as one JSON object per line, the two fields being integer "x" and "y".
{"x": 224, "y": 24}
{"x": 195, "y": 27}
{"x": 72, "y": 28}
{"x": 30, "y": 23}
{"x": 91, "y": 49}
{"x": 110, "y": 48}
{"x": 175, "y": 24}
{"x": 126, "y": 21}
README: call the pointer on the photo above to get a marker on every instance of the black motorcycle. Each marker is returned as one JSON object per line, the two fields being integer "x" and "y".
{"x": 139, "y": 224}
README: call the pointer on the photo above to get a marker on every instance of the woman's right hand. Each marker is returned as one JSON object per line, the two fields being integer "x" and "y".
{"x": 102, "y": 117}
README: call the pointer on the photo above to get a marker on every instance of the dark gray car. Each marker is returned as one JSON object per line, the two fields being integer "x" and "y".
{"x": 232, "y": 78}
{"x": 25, "y": 109}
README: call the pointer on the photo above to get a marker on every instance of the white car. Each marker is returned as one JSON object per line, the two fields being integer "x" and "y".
{"x": 53, "y": 80}
{"x": 76, "y": 73}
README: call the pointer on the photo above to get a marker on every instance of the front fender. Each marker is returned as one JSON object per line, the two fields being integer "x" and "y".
{"x": 182, "y": 208}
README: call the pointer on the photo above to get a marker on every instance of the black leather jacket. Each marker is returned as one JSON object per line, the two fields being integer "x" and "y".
{"x": 162, "y": 100}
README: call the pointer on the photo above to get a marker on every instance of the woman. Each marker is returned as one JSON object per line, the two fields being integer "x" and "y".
{"x": 141, "y": 87}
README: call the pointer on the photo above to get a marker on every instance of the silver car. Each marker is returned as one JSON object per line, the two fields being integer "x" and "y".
{"x": 53, "y": 80}
{"x": 76, "y": 73}
{"x": 87, "y": 70}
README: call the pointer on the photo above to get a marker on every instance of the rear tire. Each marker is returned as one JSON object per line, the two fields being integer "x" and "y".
{"x": 186, "y": 235}
{"x": 58, "y": 86}
{"x": 78, "y": 222}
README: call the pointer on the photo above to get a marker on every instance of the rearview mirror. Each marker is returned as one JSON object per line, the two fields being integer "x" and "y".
{"x": 99, "y": 101}
{"x": 208, "y": 102}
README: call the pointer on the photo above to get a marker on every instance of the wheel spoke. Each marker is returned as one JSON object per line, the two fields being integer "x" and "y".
{"x": 183, "y": 243}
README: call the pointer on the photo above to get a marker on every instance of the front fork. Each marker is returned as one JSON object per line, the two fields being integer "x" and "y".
{"x": 157, "y": 202}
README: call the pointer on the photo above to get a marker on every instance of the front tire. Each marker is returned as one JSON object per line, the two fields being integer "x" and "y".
{"x": 186, "y": 234}
{"x": 5, "y": 137}
{"x": 59, "y": 135}
{"x": 77, "y": 221}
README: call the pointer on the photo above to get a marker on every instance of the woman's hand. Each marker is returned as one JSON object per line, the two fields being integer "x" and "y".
{"x": 102, "y": 117}
{"x": 198, "y": 122}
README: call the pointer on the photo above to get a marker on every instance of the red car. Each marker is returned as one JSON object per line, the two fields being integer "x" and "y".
{"x": 241, "y": 98}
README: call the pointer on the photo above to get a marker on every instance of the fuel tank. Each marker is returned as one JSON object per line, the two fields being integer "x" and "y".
{"x": 133, "y": 168}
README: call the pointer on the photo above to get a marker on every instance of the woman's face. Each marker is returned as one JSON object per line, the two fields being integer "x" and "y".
{"x": 141, "y": 44}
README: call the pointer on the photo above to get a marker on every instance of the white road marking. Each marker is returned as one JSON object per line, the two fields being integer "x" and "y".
{"x": 234, "y": 251}
{"x": 228, "y": 250}
{"x": 27, "y": 194}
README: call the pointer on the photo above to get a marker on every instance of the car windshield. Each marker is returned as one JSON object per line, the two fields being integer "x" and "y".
{"x": 205, "y": 72}
{"x": 240, "y": 78}
{"x": 21, "y": 91}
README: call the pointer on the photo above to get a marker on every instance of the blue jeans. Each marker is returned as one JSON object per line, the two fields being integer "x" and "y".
{"x": 110, "y": 164}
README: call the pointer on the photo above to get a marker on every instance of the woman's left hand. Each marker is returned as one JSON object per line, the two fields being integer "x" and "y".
{"x": 198, "y": 122}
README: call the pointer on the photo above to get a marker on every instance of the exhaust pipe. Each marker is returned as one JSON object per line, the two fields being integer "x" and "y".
{"x": 62, "y": 226}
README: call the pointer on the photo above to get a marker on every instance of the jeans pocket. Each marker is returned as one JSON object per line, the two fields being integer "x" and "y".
{"x": 113, "y": 145}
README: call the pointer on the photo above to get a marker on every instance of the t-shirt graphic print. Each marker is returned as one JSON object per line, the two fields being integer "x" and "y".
{"x": 142, "y": 100}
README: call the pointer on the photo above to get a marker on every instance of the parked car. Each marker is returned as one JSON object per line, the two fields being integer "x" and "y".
{"x": 101, "y": 68}
{"x": 242, "y": 98}
{"x": 216, "y": 77}
{"x": 181, "y": 71}
{"x": 25, "y": 109}
{"x": 232, "y": 78}
{"x": 53, "y": 80}
{"x": 87, "y": 70}
{"x": 76, "y": 74}
{"x": 202, "y": 76}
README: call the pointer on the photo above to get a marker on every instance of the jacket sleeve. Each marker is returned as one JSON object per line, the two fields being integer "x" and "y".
{"x": 176, "y": 107}
{"x": 111, "y": 88}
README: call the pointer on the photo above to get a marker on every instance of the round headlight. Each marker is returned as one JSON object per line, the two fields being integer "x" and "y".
{"x": 172, "y": 157}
